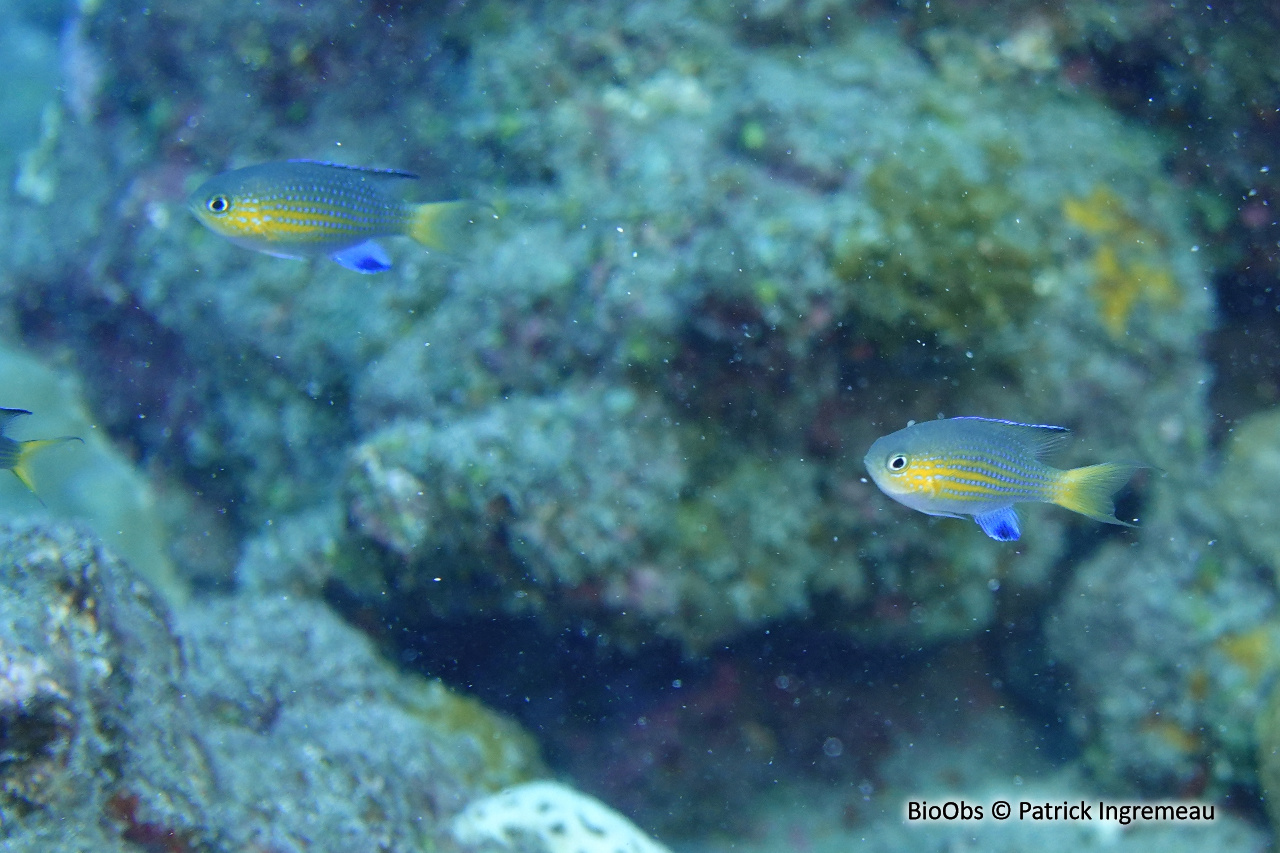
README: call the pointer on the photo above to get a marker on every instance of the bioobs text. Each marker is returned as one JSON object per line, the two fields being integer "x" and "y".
{"x": 950, "y": 810}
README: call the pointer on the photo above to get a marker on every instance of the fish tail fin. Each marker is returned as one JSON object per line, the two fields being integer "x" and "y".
{"x": 26, "y": 449}
{"x": 1089, "y": 490}
{"x": 445, "y": 226}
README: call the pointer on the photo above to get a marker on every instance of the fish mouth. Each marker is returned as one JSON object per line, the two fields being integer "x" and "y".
{"x": 871, "y": 464}
{"x": 882, "y": 483}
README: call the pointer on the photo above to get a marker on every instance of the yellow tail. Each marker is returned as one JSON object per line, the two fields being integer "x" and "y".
{"x": 25, "y": 451}
{"x": 1088, "y": 490}
{"x": 446, "y": 226}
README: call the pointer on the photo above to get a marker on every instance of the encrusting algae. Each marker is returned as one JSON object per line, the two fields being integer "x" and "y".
{"x": 946, "y": 256}
{"x": 1127, "y": 267}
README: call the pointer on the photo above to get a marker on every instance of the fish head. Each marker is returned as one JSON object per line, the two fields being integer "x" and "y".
{"x": 215, "y": 204}
{"x": 902, "y": 467}
{"x": 237, "y": 205}
{"x": 889, "y": 464}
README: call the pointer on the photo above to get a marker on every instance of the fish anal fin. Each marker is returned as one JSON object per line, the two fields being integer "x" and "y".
{"x": 1000, "y": 524}
{"x": 366, "y": 257}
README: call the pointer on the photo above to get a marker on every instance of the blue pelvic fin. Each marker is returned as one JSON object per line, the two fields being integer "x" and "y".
{"x": 366, "y": 257}
{"x": 1000, "y": 524}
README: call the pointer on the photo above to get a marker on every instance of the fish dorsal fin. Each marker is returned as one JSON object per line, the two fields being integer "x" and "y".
{"x": 386, "y": 173}
{"x": 7, "y": 415}
{"x": 1043, "y": 440}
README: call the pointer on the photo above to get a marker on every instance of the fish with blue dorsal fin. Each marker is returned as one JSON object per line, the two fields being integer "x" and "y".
{"x": 981, "y": 467}
{"x": 15, "y": 455}
{"x": 309, "y": 208}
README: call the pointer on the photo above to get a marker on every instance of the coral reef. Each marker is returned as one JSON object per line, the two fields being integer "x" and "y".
{"x": 1171, "y": 649}
{"x": 125, "y": 727}
{"x": 1269, "y": 755}
{"x": 590, "y": 493}
{"x": 735, "y": 248}
{"x": 1127, "y": 264}
{"x": 100, "y": 746}
{"x": 759, "y": 263}
{"x": 344, "y": 750}
{"x": 1247, "y": 482}
{"x": 558, "y": 818}
{"x": 1192, "y": 639}
{"x": 1205, "y": 79}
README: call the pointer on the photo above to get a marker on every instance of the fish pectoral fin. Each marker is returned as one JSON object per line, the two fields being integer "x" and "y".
{"x": 366, "y": 257}
{"x": 289, "y": 256}
{"x": 258, "y": 246}
{"x": 1000, "y": 524}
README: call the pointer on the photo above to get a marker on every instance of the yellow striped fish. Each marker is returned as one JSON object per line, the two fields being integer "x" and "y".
{"x": 306, "y": 208}
{"x": 982, "y": 467}
{"x": 14, "y": 455}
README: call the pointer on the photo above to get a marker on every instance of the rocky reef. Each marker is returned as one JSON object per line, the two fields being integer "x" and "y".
{"x": 732, "y": 249}
{"x": 129, "y": 726}
{"x": 763, "y": 275}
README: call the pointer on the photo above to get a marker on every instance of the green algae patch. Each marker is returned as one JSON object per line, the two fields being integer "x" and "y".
{"x": 507, "y": 754}
{"x": 1268, "y": 735}
{"x": 1247, "y": 482}
{"x": 948, "y": 254}
{"x": 1128, "y": 261}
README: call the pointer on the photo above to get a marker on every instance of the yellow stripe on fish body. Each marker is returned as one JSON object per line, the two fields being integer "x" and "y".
{"x": 973, "y": 480}
{"x": 981, "y": 467}
{"x": 303, "y": 208}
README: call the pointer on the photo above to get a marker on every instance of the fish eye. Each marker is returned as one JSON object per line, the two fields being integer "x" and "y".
{"x": 897, "y": 462}
{"x": 218, "y": 204}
